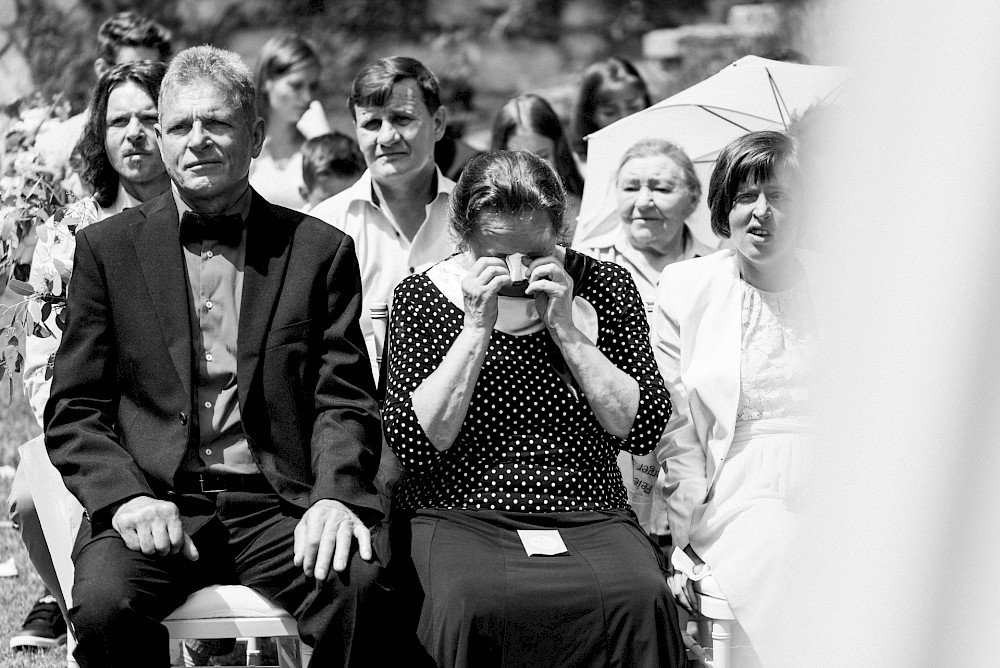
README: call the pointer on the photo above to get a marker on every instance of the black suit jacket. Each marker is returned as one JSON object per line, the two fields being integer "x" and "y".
{"x": 118, "y": 419}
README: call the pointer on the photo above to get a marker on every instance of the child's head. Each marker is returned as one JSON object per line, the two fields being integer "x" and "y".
{"x": 330, "y": 163}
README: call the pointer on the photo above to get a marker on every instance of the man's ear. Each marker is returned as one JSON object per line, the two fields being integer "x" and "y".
{"x": 257, "y": 133}
{"x": 101, "y": 66}
{"x": 440, "y": 123}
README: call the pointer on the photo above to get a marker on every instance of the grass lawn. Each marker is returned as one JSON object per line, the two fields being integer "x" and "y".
{"x": 17, "y": 594}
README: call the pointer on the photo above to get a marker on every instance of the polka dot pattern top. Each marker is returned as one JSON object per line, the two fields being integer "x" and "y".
{"x": 529, "y": 443}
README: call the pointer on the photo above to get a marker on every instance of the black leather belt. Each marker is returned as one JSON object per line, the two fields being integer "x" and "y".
{"x": 211, "y": 483}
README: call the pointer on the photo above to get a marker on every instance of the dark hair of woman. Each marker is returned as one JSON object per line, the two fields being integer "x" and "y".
{"x": 510, "y": 183}
{"x": 277, "y": 57}
{"x": 90, "y": 157}
{"x": 751, "y": 158}
{"x": 611, "y": 73}
{"x": 531, "y": 113}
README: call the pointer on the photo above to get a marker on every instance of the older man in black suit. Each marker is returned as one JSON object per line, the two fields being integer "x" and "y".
{"x": 212, "y": 401}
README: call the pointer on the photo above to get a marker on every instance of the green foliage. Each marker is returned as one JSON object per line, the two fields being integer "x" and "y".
{"x": 715, "y": 53}
{"x": 633, "y": 18}
{"x": 60, "y": 50}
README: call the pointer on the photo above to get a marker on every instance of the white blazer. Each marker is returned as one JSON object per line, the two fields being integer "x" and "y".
{"x": 697, "y": 335}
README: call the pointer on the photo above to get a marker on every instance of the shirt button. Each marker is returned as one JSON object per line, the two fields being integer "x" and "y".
{"x": 208, "y": 404}
{"x": 209, "y": 254}
{"x": 208, "y": 357}
{"x": 208, "y": 451}
{"x": 183, "y": 418}
{"x": 208, "y": 304}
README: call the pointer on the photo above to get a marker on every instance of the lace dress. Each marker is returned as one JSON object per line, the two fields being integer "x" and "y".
{"x": 744, "y": 529}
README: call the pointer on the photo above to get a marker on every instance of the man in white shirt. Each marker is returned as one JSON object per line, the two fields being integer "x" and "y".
{"x": 397, "y": 213}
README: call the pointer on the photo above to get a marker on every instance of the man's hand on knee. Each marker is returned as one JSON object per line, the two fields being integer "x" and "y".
{"x": 324, "y": 535}
{"x": 153, "y": 526}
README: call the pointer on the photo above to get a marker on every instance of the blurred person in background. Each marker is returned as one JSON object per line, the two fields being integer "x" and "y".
{"x": 120, "y": 162}
{"x": 517, "y": 370}
{"x": 529, "y": 123}
{"x": 735, "y": 337}
{"x": 287, "y": 77}
{"x": 397, "y": 212}
{"x": 331, "y": 163}
{"x": 452, "y": 152}
{"x": 609, "y": 91}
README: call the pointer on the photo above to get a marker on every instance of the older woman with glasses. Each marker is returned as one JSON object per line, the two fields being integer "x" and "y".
{"x": 656, "y": 191}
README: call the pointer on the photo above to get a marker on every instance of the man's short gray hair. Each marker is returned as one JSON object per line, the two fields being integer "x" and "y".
{"x": 224, "y": 69}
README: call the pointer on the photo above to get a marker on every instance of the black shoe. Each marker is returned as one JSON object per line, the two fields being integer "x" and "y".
{"x": 44, "y": 627}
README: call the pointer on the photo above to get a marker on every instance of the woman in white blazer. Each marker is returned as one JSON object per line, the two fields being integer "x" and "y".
{"x": 733, "y": 333}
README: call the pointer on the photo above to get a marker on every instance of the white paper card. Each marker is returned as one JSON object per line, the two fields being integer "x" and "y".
{"x": 546, "y": 542}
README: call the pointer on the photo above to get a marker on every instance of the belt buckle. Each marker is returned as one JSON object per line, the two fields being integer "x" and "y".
{"x": 209, "y": 490}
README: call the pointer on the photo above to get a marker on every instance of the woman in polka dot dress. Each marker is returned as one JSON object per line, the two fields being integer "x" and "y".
{"x": 517, "y": 371}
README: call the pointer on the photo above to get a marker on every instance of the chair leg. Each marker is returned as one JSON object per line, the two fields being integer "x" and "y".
{"x": 305, "y": 654}
{"x": 253, "y": 652}
{"x": 70, "y": 648}
{"x": 721, "y": 638}
{"x": 288, "y": 654}
{"x": 187, "y": 660}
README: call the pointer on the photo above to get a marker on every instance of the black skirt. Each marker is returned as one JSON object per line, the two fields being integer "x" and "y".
{"x": 483, "y": 602}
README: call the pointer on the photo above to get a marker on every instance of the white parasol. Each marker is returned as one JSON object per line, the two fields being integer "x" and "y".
{"x": 750, "y": 94}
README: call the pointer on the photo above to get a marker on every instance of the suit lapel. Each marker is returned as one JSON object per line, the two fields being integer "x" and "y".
{"x": 157, "y": 244}
{"x": 267, "y": 251}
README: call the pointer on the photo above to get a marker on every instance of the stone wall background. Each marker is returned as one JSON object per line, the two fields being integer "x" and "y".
{"x": 496, "y": 48}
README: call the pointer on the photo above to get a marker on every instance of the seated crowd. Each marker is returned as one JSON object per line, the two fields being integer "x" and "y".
{"x": 212, "y": 393}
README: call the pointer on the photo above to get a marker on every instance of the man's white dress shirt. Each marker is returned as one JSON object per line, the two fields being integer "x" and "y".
{"x": 385, "y": 254}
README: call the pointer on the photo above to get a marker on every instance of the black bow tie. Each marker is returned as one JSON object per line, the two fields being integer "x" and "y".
{"x": 197, "y": 227}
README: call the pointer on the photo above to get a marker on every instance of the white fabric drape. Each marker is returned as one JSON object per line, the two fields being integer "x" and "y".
{"x": 896, "y": 565}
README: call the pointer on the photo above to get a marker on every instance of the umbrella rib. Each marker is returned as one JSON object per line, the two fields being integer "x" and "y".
{"x": 727, "y": 120}
{"x": 778, "y": 100}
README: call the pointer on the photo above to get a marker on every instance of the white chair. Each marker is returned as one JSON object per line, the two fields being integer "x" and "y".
{"x": 212, "y": 612}
{"x": 716, "y": 621}
{"x": 235, "y": 611}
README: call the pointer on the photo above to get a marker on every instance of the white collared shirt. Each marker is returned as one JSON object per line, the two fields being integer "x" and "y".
{"x": 614, "y": 247}
{"x": 386, "y": 256}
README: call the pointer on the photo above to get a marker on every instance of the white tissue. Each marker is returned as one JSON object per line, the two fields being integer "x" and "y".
{"x": 518, "y": 272}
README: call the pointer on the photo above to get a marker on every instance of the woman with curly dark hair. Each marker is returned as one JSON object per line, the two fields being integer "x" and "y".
{"x": 117, "y": 150}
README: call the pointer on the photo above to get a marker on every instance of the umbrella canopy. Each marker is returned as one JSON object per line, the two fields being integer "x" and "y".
{"x": 751, "y": 94}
